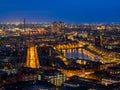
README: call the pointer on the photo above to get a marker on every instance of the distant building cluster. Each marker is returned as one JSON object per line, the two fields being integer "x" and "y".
{"x": 57, "y": 27}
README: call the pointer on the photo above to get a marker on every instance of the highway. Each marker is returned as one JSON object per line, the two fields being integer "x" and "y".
{"x": 32, "y": 57}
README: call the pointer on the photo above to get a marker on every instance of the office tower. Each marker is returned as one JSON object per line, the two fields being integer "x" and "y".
{"x": 98, "y": 41}
{"x": 57, "y": 27}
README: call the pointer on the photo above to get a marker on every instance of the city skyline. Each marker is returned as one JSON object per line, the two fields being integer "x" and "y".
{"x": 59, "y": 45}
{"x": 79, "y": 11}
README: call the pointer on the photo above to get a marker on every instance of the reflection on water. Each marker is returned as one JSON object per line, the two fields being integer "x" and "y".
{"x": 78, "y": 53}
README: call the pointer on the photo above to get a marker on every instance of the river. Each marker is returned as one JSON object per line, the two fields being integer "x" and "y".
{"x": 79, "y": 53}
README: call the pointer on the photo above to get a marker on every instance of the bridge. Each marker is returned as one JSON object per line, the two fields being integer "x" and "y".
{"x": 70, "y": 45}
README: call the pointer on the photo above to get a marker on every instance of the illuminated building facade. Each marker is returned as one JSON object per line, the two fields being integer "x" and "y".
{"x": 56, "y": 79}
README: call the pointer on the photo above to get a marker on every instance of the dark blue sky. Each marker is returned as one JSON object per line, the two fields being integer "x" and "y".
{"x": 73, "y": 11}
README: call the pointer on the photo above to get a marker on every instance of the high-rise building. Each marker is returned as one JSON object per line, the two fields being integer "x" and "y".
{"x": 98, "y": 41}
{"x": 57, "y": 27}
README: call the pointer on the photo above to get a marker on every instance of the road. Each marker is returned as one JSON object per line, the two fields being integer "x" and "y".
{"x": 32, "y": 57}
